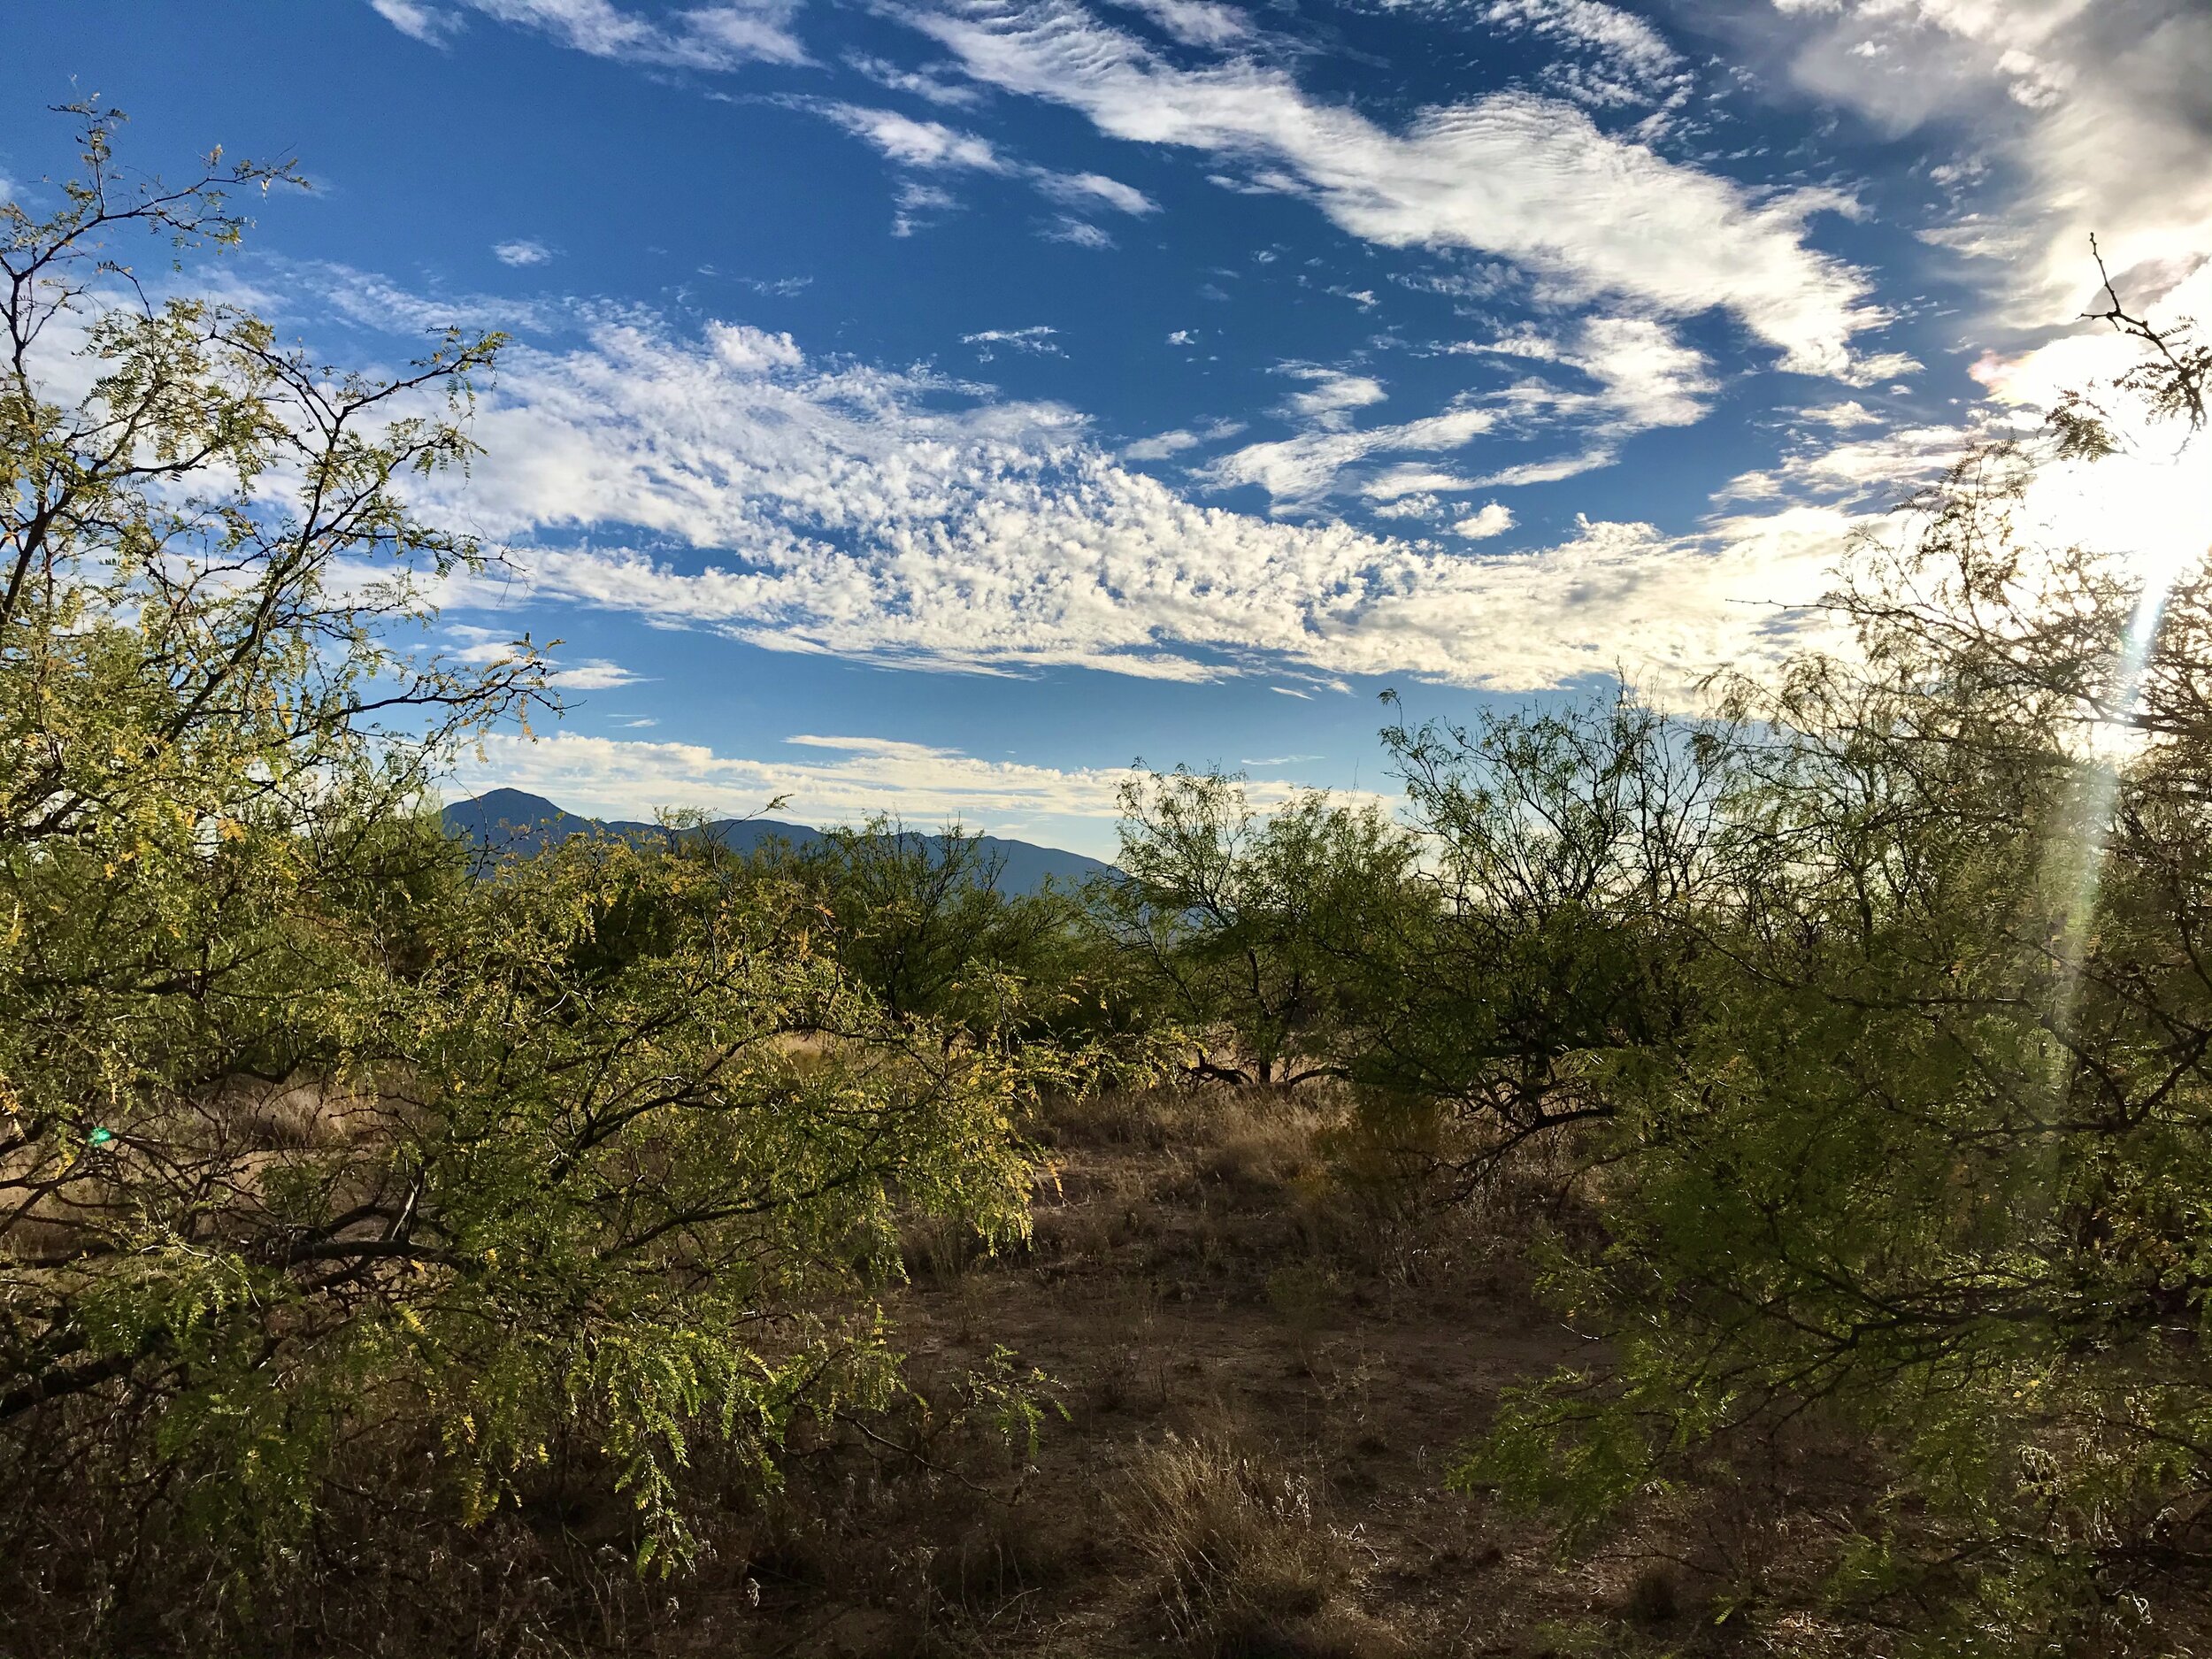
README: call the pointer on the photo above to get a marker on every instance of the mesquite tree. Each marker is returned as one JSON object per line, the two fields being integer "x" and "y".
{"x": 1924, "y": 1159}
{"x": 311, "y": 1140}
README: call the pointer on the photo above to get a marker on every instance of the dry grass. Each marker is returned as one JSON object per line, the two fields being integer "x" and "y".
{"x": 218, "y": 1148}
{"x": 1239, "y": 1560}
{"x": 1267, "y": 1337}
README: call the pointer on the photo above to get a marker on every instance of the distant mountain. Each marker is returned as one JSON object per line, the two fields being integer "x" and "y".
{"x": 510, "y": 820}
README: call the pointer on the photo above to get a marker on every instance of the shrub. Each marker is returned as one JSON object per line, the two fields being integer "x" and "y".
{"x": 1234, "y": 1546}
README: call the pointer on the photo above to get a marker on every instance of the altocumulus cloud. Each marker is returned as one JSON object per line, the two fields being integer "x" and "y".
{"x": 727, "y": 481}
{"x": 1612, "y": 378}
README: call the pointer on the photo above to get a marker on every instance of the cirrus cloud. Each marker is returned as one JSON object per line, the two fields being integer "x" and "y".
{"x": 1528, "y": 177}
{"x": 711, "y": 37}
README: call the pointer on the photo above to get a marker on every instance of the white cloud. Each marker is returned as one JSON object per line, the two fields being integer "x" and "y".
{"x": 710, "y": 37}
{"x": 1090, "y": 189}
{"x": 921, "y": 84}
{"x": 730, "y": 482}
{"x": 369, "y": 301}
{"x": 2145, "y": 503}
{"x": 1334, "y": 396}
{"x": 832, "y": 779}
{"x": 2099, "y": 113}
{"x": 1633, "y": 374}
{"x": 521, "y": 252}
{"x": 1879, "y": 470}
{"x": 2149, "y": 500}
{"x": 1038, "y": 339}
{"x": 1665, "y": 610}
{"x": 755, "y": 350}
{"x": 1617, "y": 59}
{"x": 1881, "y": 365}
{"x": 1419, "y": 504}
{"x": 1485, "y": 283}
{"x": 593, "y": 674}
{"x": 915, "y": 203}
{"x": 1643, "y": 376}
{"x": 1527, "y": 178}
{"x": 481, "y": 646}
{"x": 932, "y": 146}
{"x": 1161, "y": 446}
{"x": 485, "y": 646}
{"x": 631, "y": 776}
{"x": 1840, "y": 416}
{"x": 1301, "y": 470}
{"x": 1495, "y": 518}
{"x": 1628, "y": 39}
{"x": 1601, "y": 56}
{"x": 731, "y": 33}
{"x": 911, "y": 144}
{"x": 1081, "y": 233}
{"x": 1182, "y": 337}
{"x": 1194, "y": 22}
{"x": 1412, "y": 478}
{"x": 431, "y": 24}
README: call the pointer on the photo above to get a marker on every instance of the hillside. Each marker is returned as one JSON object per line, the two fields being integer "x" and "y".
{"x": 514, "y": 820}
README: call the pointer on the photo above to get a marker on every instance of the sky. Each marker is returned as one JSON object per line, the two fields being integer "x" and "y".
{"x": 943, "y": 407}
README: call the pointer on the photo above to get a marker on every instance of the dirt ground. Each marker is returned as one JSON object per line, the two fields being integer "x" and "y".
{"x": 1260, "y": 1368}
{"x": 1250, "y": 1343}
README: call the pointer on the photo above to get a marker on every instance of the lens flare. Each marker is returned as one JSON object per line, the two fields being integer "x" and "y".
{"x": 2154, "y": 512}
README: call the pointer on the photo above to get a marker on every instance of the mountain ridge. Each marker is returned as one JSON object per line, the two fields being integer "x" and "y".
{"x": 514, "y": 820}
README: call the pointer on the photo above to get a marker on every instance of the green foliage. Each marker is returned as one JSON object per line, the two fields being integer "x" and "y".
{"x": 308, "y": 1139}
{"x": 1876, "y": 1006}
{"x": 1242, "y": 927}
{"x": 1924, "y": 1153}
{"x": 1012, "y": 1402}
{"x": 922, "y": 921}
{"x": 1562, "y": 845}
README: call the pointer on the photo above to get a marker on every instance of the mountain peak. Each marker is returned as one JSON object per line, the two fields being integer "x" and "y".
{"x": 515, "y": 805}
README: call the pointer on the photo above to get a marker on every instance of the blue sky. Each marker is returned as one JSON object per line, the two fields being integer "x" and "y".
{"x": 938, "y": 407}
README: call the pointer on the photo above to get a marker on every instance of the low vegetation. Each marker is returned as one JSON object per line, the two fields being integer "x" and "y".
{"x": 1729, "y": 1182}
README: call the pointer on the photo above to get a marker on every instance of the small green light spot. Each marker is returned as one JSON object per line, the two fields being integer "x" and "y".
{"x": 101, "y": 1137}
